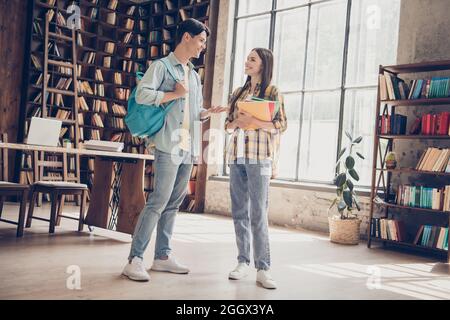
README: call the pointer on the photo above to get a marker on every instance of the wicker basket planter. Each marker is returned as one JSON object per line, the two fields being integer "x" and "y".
{"x": 344, "y": 231}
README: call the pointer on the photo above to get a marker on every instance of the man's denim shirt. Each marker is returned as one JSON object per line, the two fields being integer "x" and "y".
{"x": 150, "y": 91}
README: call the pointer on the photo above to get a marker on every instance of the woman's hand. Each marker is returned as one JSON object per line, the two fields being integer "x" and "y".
{"x": 245, "y": 120}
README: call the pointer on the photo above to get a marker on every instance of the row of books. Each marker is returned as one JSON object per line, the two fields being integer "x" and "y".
{"x": 433, "y": 124}
{"x": 157, "y": 36}
{"x": 388, "y": 229}
{"x": 392, "y": 124}
{"x": 434, "y": 159}
{"x": 97, "y": 121}
{"x": 95, "y": 134}
{"x": 99, "y": 75}
{"x": 122, "y": 93}
{"x": 118, "y": 110}
{"x": 424, "y": 197}
{"x": 154, "y": 50}
{"x": 112, "y": 5}
{"x": 85, "y": 87}
{"x": 80, "y": 119}
{"x": 100, "y": 106}
{"x": 63, "y": 114}
{"x": 394, "y": 230}
{"x": 117, "y": 123}
{"x": 82, "y": 105}
{"x": 89, "y": 57}
{"x": 99, "y": 89}
{"x": 394, "y": 88}
{"x": 117, "y": 137}
{"x": 432, "y": 237}
{"x": 109, "y": 47}
{"x": 118, "y": 78}
{"x": 427, "y": 124}
{"x": 39, "y": 81}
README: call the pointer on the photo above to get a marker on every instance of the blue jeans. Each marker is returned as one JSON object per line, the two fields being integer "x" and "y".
{"x": 172, "y": 174}
{"x": 249, "y": 189}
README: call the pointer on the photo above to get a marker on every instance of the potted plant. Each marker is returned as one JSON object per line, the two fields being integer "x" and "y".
{"x": 344, "y": 225}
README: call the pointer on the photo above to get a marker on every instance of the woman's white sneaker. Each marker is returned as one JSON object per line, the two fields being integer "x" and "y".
{"x": 240, "y": 272}
{"x": 265, "y": 279}
{"x": 135, "y": 270}
{"x": 169, "y": 265}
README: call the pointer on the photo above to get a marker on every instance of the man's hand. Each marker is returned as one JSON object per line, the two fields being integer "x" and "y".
{"x": 180, "y": 89}
{"x": 207, "y": 113}
{"x": 218, "y": 109}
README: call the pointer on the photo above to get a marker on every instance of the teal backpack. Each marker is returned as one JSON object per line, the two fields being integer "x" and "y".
{"x": 146, "y": 120}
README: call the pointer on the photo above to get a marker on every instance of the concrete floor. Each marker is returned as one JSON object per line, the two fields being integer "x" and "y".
{"x": 305, "y": 265}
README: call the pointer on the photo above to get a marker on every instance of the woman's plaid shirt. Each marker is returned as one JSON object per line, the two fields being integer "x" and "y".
{"x": 259, "y": 144}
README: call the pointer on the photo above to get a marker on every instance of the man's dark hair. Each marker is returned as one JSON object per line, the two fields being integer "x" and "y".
{"x": 191, "y": 26}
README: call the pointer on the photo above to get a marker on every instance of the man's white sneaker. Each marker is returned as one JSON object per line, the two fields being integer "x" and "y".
{"x": 135, "y": 270}
{"x": 240, "y": 272}
{"x": 265, "y": 279}
{"x": 169, "y": 265}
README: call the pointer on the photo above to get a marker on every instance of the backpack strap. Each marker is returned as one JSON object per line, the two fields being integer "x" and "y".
{"x": 169, "y": 68}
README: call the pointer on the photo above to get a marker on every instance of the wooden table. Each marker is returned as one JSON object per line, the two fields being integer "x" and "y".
{"x": 118, "y": 181}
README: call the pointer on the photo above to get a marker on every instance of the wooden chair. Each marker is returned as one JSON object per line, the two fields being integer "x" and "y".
{"x": 57, "y": 191}
{"x": 11, "y": 189}
{"x": 41, "y": 163}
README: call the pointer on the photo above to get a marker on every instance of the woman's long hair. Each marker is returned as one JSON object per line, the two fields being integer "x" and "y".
{"x": 266, "y": 75}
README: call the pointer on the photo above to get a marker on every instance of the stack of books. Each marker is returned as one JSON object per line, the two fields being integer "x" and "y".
{"x": 261, "y": 109}
{"x": 392, "y": 124}
{"x": 432, "y": 236}
{"x": 388, "y": 229}
{"x": 424, "y": 197}
{"x": 435, "y": 160}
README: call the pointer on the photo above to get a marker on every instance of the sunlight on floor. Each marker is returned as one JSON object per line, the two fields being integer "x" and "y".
{"x": 414, "y": 280}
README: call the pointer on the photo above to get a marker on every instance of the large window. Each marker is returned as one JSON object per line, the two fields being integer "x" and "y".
{"x": 327, "y": 55}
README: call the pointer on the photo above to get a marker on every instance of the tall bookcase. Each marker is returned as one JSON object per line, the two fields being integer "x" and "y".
{"x": 413, "y": 215}
{"x": 116, "y": 39}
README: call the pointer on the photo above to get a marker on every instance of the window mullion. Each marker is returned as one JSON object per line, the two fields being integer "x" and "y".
{"x": 343, "y": 79}
{"x": 302, "y": 101}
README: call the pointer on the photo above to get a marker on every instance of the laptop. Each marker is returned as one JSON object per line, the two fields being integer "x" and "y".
{"x": 44, "y": 132}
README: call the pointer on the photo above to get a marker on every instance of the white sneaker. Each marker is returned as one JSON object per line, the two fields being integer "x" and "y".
{"x": 135, "y": 270}
{"x": 265, "y": 279}
{"x": 169, "y": 265}
{"x": 240, "y": 272}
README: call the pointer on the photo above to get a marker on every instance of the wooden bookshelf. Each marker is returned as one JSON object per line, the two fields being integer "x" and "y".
{"x": 112, "y": 40}
{"x": 98, "y": 41}
{"x": 385, "y": 191}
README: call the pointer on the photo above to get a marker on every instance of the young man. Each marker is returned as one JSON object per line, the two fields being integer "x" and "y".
{"x": 176, "y": 145}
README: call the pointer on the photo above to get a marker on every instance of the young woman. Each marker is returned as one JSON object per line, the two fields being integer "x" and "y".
{"x": 250, "y": 155}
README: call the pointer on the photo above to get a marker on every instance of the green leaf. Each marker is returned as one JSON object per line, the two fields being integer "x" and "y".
{"x": 354, "y": 174}
{"x": 340, "y": 180}
{"x": 349, "y": 135}
{"x": 348, "y": 198}
{"x": 360, "y": 155}
{"x": 358, "y": 140}
{"x": 342, "y": 206}
{"x": 350, "y": 184}
{"x": 350, "y": 162}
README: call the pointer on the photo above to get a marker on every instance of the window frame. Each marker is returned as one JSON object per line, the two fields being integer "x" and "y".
{"x": 342, "y": 88}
